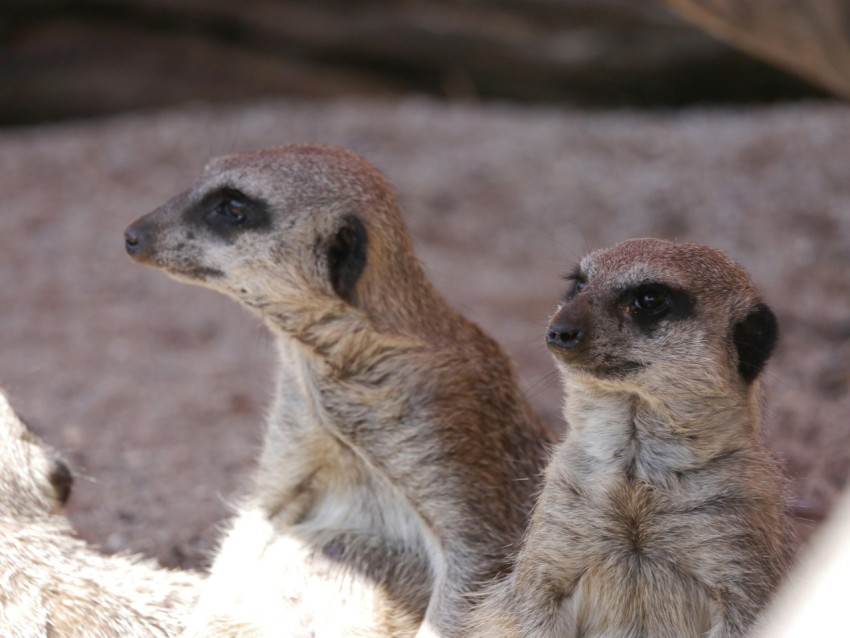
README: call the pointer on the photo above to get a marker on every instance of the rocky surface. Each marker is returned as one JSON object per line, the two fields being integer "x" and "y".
{"x": 156, "y": 389}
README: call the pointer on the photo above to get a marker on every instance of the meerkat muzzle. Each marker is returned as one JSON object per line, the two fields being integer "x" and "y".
{"x": 138, "y": 242}
{"x": 564, "y": 336}
{"x": 131, "y": 240}
{"x": 568, "y": 328}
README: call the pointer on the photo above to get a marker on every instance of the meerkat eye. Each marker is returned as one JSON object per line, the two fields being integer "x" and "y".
{"x": 652, "y": 300}
{"x": 232, "y": 208}
{"x": 227, "y": 207}
{"x": 228, "y": 211}
{"x": 578, "y": 286}
{"x": 579, "y": 283}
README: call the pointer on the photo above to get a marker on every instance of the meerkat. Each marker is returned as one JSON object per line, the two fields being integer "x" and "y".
{"x": 52, "y": 584}
{"x": 662, "y": 513}
{"x": 400, "y": 461}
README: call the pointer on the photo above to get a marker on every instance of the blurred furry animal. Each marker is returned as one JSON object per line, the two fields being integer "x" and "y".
{"x": 662, "y": 513}
{"x": 400, "y": 460}
{"x": 813, "y": 601}
{"x": 54, "y": 585}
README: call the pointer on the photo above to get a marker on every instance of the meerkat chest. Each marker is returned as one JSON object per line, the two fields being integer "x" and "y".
{"x": 633, "y": 546}
{"x": 314, "y": 442}
{"x": 635, "y": 597}
{"x": 647, "y": 515}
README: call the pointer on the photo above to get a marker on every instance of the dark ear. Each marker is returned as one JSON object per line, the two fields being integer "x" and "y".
{"x": 62, "y": 481}
{"x": 347, "y": 256}
{"x": 755, "y": 337}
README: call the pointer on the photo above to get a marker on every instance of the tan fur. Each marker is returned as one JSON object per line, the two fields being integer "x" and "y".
{"x": 661, "y": 513}
{"x": 51, "y": 583}
{"x": 400, "y": 461}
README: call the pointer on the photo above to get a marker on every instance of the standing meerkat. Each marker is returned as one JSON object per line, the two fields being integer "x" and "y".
{"x": 53, "y": 585}
{"x": 661, "y": 514}
{"x": 400, "y": 461}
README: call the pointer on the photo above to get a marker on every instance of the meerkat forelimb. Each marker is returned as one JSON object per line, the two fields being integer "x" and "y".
{"x": 400, "y": 461}
{"x": 662, "y": 513}
{"x": 54, "y": 585}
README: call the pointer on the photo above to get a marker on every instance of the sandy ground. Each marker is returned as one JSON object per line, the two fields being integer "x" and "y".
{"x": 155, "y": 390}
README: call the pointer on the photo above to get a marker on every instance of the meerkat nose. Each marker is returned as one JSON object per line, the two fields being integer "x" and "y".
{"x": 562, "y": 335}
{"x": 137, "y": 242}
{"x": 131, "y": 240}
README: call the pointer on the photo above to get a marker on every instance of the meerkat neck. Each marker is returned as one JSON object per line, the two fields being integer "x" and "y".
{"x": 614, "y": 425}
{"x": 342, "y": 333}
{"x": 413, "y": 309}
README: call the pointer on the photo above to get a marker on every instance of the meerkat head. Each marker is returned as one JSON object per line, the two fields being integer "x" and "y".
{"x": 662, "y": 317}
{"x": 33, "y": 479}
{"x": 278, "y": 224}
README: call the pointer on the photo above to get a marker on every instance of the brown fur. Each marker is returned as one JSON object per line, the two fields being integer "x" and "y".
{"x": 51, "y": 583}
{"x": 661, "y": 513}
{"x": 400, "y": 460}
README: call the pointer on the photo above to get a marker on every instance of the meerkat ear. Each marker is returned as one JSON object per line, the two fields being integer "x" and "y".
{"x": 347, "y": 256}
{"x": 755, "y": 337}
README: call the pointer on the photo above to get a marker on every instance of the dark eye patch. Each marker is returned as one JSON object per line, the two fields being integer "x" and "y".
{"x": 229, "y": 211}
{"x": 579, "y": 281}
{"x": 652, "y": 300}
{"x": 651, "y": 303}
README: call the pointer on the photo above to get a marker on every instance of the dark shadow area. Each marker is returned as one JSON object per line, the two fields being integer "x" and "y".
{"x": 61, "y": 59}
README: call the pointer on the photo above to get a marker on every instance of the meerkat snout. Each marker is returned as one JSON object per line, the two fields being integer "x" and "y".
{"x": 136, "y": 242}
{"x": 567, "y": 330}
{"x": 132, "y": 240}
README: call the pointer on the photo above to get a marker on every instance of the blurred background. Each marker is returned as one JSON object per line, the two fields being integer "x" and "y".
{"x": 76, "y": 58}
{"x": 519, "y": 135}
